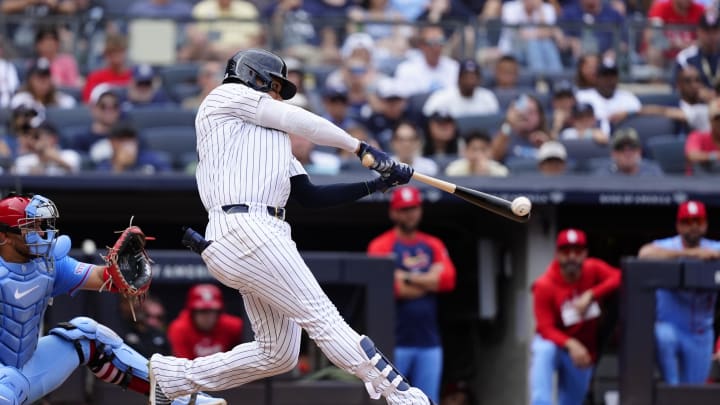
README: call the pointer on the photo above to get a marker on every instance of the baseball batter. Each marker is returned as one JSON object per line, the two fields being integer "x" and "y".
{"x": 245, "y": 175}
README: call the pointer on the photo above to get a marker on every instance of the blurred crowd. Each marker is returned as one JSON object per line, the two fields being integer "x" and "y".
{"x": 451, "y": 87}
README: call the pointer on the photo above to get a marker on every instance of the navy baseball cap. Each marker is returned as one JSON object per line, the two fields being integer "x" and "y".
{"x": 563, "y": 88}
{"x": 143, "y": 73}
{"x": 469, "y": 65}
{"x": 607, "y": 68}
{"x": 39, "y": 66}
{"x": 335, "y": 92}
{"x": 709, "y": 21}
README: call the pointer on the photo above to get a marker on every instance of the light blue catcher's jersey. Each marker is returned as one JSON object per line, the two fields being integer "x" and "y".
{"x": 25, "y": 292}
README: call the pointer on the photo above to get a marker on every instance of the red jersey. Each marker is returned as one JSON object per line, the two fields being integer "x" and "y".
{"x": 105, "y": 76}
{"x": 551, "y": 292}
{"x": 187, "y": 342}
{"x": 664, "y": 10}
{"x": 700, "y": 141}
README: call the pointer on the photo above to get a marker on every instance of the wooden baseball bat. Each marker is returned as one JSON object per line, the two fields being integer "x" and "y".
{"x": 492, "y": 203}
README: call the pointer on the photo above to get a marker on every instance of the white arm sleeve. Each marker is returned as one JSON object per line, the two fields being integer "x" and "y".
{"x": 297, "y": 121}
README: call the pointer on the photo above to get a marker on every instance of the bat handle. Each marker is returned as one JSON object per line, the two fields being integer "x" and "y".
{"x": 368, "y": 160}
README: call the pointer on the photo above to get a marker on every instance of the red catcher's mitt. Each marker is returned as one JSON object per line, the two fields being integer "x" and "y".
{"x": 129, "y": 268}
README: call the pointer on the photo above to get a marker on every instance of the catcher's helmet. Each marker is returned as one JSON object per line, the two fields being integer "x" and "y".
{"x": 12, "y": 210}
{"x": 32, "y": 217}
{"x": 256, "y": 68}
{"x": 203, "y": 297}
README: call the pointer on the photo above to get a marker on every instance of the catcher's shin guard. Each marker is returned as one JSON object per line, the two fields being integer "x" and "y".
{"x": 104, "y": 352}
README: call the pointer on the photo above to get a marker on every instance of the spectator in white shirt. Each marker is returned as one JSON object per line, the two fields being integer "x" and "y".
{"x": 476, "y": 160}
{"x": 467, "y": 97}
{"x": 406, "y": 145}
{"x": 9, "y": 80}
{"x": 43, "y": 155}
{"x": 432, "y": 70}
{"x": 611, "y": 104}
{"x": 531, "y": 38}
{"x": 585, "y": 126}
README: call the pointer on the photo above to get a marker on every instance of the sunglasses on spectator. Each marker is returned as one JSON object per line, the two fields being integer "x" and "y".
{"x": 358, "y": 70}
{"x": 106, "y": 107}
{"x": 434, "y": 42}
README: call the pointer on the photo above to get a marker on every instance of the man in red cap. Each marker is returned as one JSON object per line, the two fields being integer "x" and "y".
{"x": 422, "y": 269}
{"x": 202, "y": 328}
{"x": 684, "y": 318}
{"x": 565, "y": 302}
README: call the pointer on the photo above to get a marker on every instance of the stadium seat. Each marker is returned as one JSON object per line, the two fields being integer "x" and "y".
{"x": 648, "y": 126}
{"x": 666, "y": 99}
{"x": 521, "y": 165}
{"x": 443, "y": 162}
{"x": 415, "y": 104}
{"x": 506, "y": 96}
{"x": 488, "y": 123}
{"x": 173, "y": 140}
{"x": 669, "y": 152}
{"x": 143, "y": 118}
{"x": 712, "y": 169}
{"x": 525, "y": 79}
{"x": 580, "y": 151}
{"x": 69, "y": 117}
{"x": 4, "y": 117}
{"x": 180, "y": 81}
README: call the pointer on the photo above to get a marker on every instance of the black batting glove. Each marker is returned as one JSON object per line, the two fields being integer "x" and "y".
{"x": 383, "y": 163}
{"x": 399, "y": 174}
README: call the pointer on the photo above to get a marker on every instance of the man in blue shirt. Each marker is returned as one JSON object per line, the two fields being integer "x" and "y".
{"x": 684, "y": 318}
{"x": 599, "y": 23}
{"x": 704, "y": 55}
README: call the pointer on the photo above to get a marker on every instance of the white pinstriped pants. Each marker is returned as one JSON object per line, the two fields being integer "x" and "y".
{"x": 255, "y": 254}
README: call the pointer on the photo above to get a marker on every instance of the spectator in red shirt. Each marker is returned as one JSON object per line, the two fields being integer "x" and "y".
{"x": 202, "y": 328}
{"x": 703, "y": 147}
{"x": 670, "y": 12}
{"x": 116, "y": 72}
{"x": 565, "y": 302}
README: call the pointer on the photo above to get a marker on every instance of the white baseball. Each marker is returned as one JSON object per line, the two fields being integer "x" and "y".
{"x": 521, "y": 206}
{"x": 88, "y": 247}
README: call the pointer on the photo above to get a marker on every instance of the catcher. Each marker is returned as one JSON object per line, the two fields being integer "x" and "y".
{"x": 34, "y": 267}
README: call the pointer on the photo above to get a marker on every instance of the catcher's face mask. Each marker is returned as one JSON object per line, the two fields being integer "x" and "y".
{"x": 38, "y": 226}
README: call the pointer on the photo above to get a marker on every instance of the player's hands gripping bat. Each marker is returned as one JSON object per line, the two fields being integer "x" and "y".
{"x": 399, "y": 174}
{"x": 128, "y": 268}
{"x": 381, "y": 161}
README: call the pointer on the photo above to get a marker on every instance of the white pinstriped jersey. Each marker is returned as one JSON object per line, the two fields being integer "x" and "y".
{"x": 240, "y": 160}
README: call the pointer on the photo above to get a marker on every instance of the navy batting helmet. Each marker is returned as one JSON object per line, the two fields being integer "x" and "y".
{"x": 256, "y": 68}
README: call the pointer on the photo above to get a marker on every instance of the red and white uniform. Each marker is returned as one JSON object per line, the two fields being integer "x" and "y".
{"x": 552, "y": 291}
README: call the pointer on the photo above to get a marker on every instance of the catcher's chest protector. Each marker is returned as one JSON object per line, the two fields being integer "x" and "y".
{"x": 25, "y": 291}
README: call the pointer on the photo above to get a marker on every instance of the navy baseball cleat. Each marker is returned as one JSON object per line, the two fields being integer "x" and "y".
{"x": 157, "y": 397}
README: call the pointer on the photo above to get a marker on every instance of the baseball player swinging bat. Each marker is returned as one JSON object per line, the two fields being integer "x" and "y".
{"x": 518, "y": 210}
